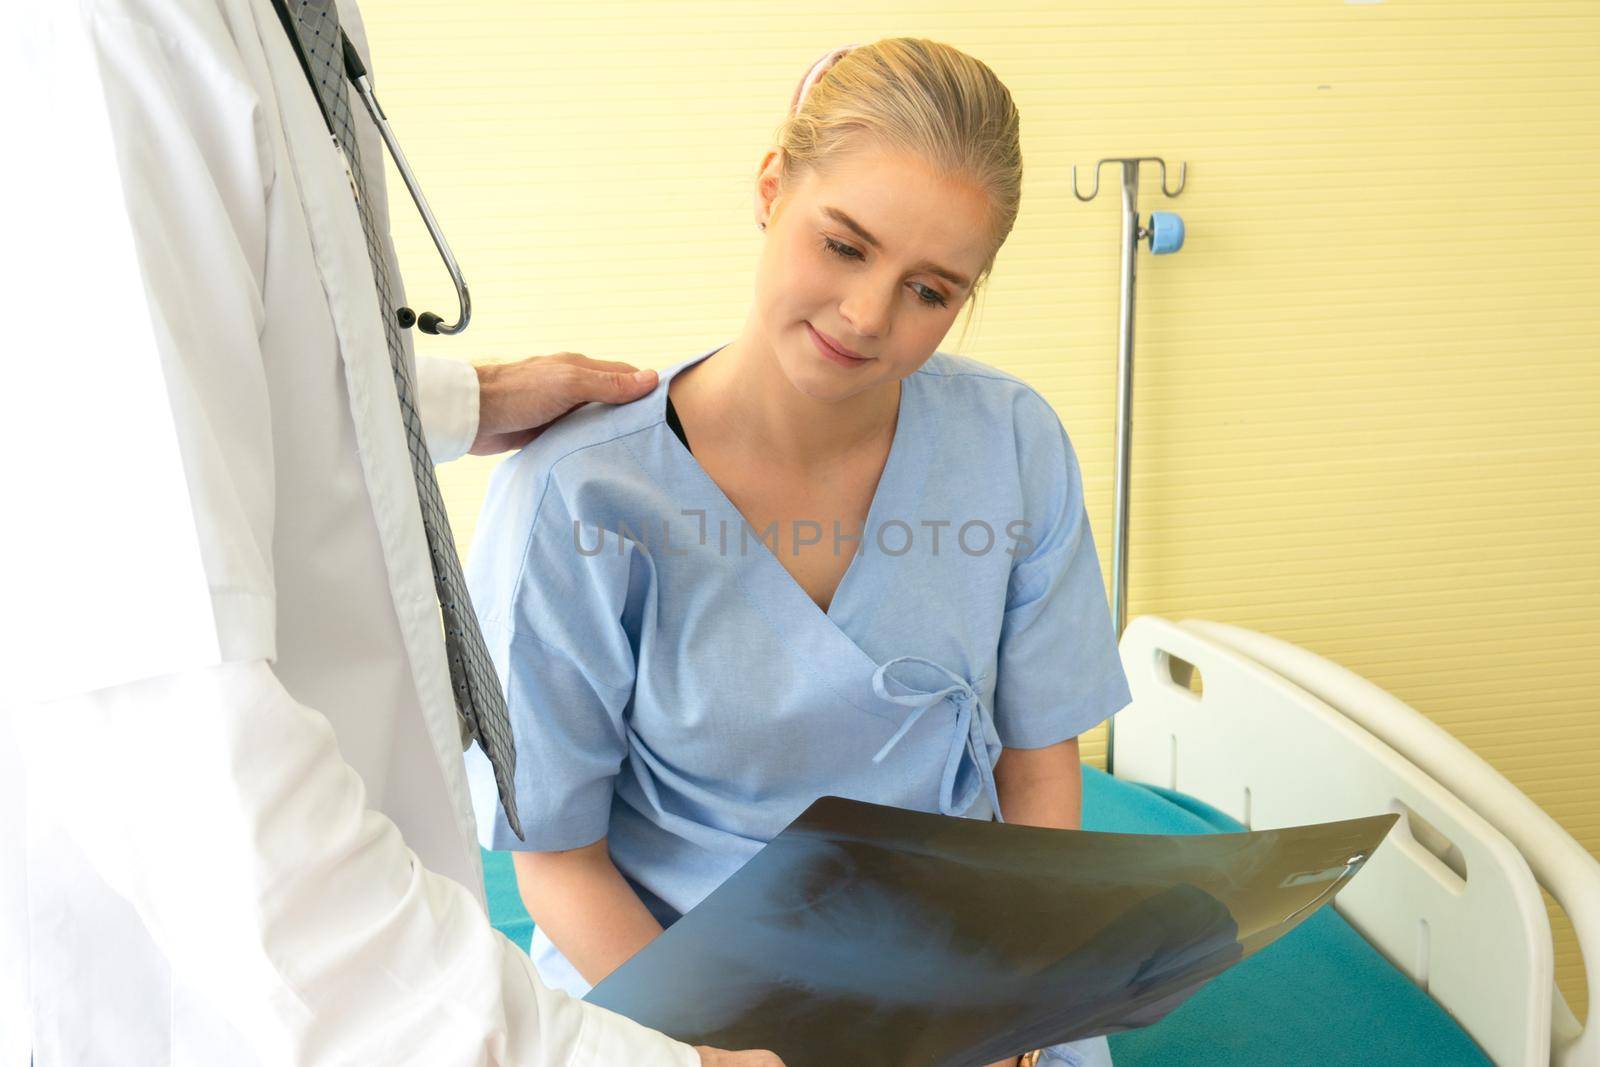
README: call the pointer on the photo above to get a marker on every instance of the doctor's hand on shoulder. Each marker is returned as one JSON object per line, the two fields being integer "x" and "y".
{"x": 516, "y": 401}
{"x": 716, "y": 1057}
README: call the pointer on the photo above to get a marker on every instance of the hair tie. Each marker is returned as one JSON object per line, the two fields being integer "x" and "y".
{"x": 814, "y": 75}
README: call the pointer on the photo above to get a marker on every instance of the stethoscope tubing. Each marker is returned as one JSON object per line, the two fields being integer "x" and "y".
{"x": 427, "y": 322}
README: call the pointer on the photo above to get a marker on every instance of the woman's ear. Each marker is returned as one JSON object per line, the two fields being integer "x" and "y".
{"x": 767, "y": 186}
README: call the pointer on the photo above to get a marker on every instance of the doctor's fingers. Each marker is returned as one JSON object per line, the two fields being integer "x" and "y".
{"x": 607, "y": 366}
{"x": 581, "y": 380}
{"x": 716, "y": 1057}
{"x": 581, "y": 360}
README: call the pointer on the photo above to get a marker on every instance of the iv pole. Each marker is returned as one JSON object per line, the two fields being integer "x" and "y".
{"x": 1165, "y": 234}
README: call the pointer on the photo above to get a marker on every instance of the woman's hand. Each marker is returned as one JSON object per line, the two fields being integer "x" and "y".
{"x": 716, "y": 1057}
{"x": 516, "y": 401}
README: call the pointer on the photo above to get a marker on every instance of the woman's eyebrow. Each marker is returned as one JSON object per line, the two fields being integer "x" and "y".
{"x": 861, "y": 232}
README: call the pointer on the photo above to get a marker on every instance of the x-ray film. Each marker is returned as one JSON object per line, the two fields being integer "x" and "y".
{"x": 868, "y": 934}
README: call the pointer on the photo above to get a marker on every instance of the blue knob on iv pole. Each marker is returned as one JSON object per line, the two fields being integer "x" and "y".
{"x": 1165, "y": 232}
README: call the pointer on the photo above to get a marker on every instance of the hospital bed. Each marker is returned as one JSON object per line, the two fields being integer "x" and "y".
{"x": 1439, "y": 953}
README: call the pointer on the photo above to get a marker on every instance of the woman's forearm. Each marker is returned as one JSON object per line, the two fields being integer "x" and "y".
{"x": 1041, "y": 786}
{"x": 585, "y": 907}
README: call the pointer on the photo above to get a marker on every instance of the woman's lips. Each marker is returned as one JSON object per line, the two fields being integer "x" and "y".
{"x": 832, "y": 351}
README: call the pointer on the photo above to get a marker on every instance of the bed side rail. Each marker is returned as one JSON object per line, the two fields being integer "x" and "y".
{"x": 1446, "y": 898}
{"x": 1559, "y": 863}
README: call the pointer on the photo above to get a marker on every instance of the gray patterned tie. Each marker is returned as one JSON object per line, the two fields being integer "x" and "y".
{"x": 479, "y": 700}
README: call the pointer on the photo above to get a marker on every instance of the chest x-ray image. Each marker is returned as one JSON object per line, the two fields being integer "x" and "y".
{"x": 864, "y": 933}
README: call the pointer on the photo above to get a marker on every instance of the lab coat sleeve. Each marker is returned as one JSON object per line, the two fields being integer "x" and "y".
{"x": 557, "y": 602}
{"x": 1059, "y": 672}
{"x": 221, "y": 809}
{"x": 447, "y": 395}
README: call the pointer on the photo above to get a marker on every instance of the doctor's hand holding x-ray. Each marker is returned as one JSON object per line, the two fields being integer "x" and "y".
{"x": 234, "y": 825}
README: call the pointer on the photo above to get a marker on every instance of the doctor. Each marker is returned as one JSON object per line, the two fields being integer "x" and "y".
{"x": 234, "y": 828}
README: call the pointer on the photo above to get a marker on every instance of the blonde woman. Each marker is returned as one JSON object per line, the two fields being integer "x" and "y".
{"x": 822, "y": 558}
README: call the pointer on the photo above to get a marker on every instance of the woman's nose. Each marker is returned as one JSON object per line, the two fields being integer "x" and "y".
{"x": 868, "y": 309}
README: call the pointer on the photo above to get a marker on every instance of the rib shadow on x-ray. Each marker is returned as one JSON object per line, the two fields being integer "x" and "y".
{"x": 869, "y": 934}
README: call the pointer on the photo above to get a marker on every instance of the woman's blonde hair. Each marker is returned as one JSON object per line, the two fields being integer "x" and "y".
{"x": 917, "y": 96}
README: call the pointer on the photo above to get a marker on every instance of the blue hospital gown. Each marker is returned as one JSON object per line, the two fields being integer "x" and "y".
{"x": 672, "y": 688}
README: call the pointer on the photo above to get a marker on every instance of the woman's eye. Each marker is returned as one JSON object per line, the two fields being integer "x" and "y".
{"x": 930, "y": 297}
{"x": 843, "y": 251}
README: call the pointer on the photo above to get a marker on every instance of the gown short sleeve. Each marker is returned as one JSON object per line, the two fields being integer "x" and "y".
{"x": 553, "y": 604}
{"x": 1059, "y": 672}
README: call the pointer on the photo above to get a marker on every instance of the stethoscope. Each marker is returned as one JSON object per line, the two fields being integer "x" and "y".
{"x": 356, "y": 72}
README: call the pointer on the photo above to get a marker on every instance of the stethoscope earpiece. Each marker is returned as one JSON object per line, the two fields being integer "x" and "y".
{"x": 427, "y": 322}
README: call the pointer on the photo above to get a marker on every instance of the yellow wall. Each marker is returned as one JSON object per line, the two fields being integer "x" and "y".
{"x": 1368, "y": 400}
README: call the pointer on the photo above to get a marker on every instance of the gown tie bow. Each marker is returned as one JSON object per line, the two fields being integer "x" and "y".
{"x": 975, "y": 744}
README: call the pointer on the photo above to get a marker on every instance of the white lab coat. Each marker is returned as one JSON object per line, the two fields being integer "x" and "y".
{"x": 234, "y": 827}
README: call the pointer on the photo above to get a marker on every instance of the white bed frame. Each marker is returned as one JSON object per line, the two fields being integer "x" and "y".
{"x": 1279, "y": 736}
